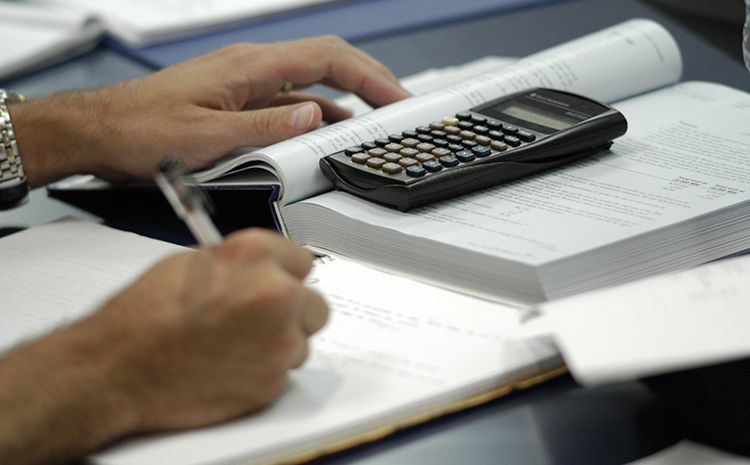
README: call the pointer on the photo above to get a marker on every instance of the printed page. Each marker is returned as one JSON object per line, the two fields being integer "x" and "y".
{"x": 393, "y": 349}
{"x": 609, "y": 65}
{"x": 667, "y": 323}
{"x": 684, "y": 155}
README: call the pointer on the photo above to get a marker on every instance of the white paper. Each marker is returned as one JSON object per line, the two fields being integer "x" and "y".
{"x": 691, "y": 453}
{"x": 662, "y": 324}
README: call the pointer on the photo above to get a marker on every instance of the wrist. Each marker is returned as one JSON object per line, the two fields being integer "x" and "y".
{"x": 58, "y": 136}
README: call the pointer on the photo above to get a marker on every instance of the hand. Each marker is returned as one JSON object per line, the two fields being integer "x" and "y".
{"x": 202, "y": 337}
{"x": 195, "y": 109}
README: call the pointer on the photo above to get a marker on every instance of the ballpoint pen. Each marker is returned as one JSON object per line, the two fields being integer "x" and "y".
{"x": 187, "y": 200}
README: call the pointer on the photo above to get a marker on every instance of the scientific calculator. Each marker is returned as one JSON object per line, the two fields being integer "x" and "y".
{"x": 501, "y": 140}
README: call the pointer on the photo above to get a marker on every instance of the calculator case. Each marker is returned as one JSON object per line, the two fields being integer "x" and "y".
{"x": 559, "y": 148}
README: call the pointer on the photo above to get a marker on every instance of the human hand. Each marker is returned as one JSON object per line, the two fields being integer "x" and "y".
{"x": 202, "y": 337}
{"x": 194, "y": 109}
{"x": 207, "y": 336}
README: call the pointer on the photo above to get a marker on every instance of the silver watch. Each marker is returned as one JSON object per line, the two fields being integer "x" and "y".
{"x": 13, "y": 186}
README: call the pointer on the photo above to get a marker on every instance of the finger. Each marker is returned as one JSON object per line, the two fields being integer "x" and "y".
{"x": 315, "y": 314}
{"x": 267, "y": 126}
{"x": 251, "y": 245}
{"x": 333, "y": 62}
{"x": 332, "y": 112}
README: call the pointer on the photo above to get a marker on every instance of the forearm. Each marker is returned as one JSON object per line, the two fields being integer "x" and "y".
{"x": 59, "y": 135}
{"x": 56, "y": 397}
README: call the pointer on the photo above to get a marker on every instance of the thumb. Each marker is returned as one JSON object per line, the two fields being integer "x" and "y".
{"x": 270, "y": 125}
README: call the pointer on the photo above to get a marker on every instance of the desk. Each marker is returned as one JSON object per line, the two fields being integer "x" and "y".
{"x": 557, "y": 422}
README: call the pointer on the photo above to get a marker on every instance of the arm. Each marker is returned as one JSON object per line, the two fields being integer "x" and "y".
{"x": 201, "y": 109}
{"x": 202, "y": 337}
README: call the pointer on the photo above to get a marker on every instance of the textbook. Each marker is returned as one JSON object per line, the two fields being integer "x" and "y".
{"x": 384, "y": 360}
{"x": 670, "y": 194}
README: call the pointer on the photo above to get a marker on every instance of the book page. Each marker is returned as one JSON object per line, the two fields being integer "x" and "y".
{"x": 667, "y": 323}
{"x": 392, "y": 350}
{"x": 609, "y": 65}
{"x": 684, "y": 156}
{"x": 143, "y": 22}
{"x": 42, "y": 36}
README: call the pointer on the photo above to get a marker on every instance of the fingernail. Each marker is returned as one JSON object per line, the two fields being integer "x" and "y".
{"x": 302, "y": 117}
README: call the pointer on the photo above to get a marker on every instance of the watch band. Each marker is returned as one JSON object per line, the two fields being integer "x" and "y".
{"x": 13, "y": 186}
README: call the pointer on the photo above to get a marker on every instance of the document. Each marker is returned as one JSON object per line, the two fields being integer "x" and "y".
{"x": 658, "y": 325}
{"x": 395, "y": 352}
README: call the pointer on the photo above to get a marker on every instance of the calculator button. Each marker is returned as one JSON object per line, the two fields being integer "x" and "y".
{"x": 463, "y": 116}
{"x": 455, "y": 147}
{"x": 425, "y": 147}
{"x": 467, "y": 135}
{"x": 410, "y": 142}
{"x": 410, "y": 134}
{"x": 513, "y": 141}
{"x": 481, "y": 130}
{"x": 349, "y": 151}
{"x": 423, "y": 130}
{"x": 393, "y": 147}
{"x": 440, "y": 152}
{"x": 375, "y": 162}
{"x": 449, "y": 161}
{"x": 468, "y": 144}
{"x": 508, "y": 129}
{"x": 465, "y": 125}
{"x": 392, "y": 168}
{"x": 425, "y": 138}
{"x": 392, "y": 157}
{"x": 465, "y": 156}
{"x": 425, "y": 157}
{"x": 498, "y": 146}
{"x": 483, "y": 140}
{"x": 377, "y": 152}
{"x": 442, "y": 143}
{"x": 360, "y": 158}
{"x": 409, "y": 152}
{"x": 526, "y": 136}
{"x": 481, "y": 151}
{"x": 454, "y": 130}
{"x": 407, "y": 162}
{"x": 433, "y": 166}
{"x": 438, "y": 134}
{"x": 454, "y": 139}
{"x": 369, "y": 145}
{"x": 382, "y": 142}
{"x": 497, "y": 135}
{"x": 437, "y": 126}
{"x": 450, "y": 121}
{"x": 415, "y": 171}
{"x": 476, "y": 119}
{"x": 494, "y": 125}
{"x": 395, "y": 138}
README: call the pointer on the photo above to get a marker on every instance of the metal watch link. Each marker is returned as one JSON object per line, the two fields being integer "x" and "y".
{"x": 13, "y": 186}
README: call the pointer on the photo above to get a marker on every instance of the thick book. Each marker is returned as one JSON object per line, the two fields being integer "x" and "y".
{"x": 671, "y": 194}
{"x": 384, "y": 361}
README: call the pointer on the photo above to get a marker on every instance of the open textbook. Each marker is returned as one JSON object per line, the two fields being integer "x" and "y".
{"x": 672, "y": 193}
{"x": 142, "y": 22}
{"x": 384, "y": 361}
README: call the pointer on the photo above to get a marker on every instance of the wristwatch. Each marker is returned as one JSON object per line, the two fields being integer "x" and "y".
{"x": 13, "y": 186}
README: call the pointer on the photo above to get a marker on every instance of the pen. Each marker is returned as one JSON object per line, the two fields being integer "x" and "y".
{"x": 187, "y": 200}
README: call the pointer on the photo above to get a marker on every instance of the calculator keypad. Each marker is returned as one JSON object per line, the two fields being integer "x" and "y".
{"x": 444, "y": 144}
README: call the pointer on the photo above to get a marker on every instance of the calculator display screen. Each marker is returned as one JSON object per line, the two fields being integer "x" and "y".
{"x": 538, "y": 116}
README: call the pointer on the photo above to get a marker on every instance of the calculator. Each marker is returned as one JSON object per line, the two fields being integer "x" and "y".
{"x": 504, "y": 139}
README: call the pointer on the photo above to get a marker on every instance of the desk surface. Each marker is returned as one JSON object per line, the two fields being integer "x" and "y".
{"x": 557, "y": 422}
